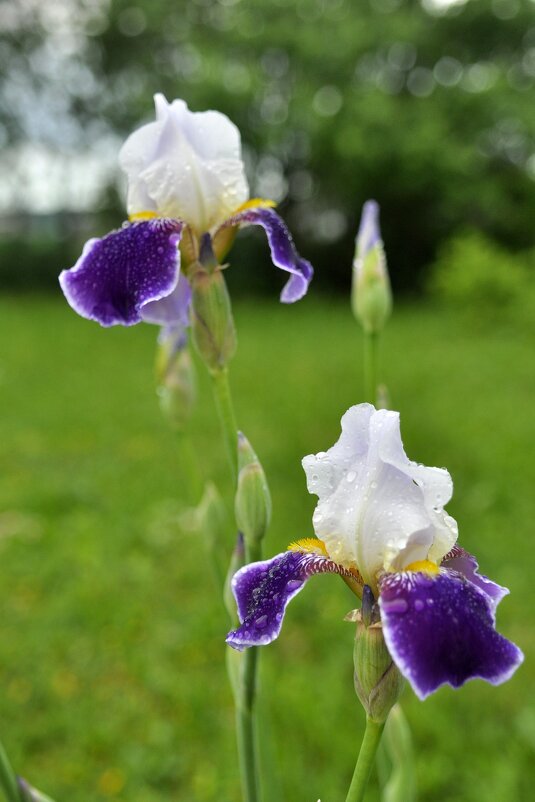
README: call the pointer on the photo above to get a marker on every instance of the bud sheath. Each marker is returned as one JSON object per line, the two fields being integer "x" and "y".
{"x": 212, "y": 323}
{"x": 378, "y": 682}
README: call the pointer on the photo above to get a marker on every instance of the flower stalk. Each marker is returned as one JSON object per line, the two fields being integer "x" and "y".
{"x": 227, "y": 417}
{"x": 368, "y": 750}
{"x": 371, "y": 366}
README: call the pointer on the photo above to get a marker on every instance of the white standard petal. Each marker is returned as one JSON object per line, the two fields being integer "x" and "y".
{"x": 377, "y": 509}
{"x": 186, "y": 165}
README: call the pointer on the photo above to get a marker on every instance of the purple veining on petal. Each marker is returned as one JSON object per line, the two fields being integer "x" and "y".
{"x": 369, "y": 233}
{"x": 116, "y": 276}
{"x": 441, "y": 630}
{"x": 262, "y": 591}
{"x": 283, "y": 252}
{"x": 466, "y": 564}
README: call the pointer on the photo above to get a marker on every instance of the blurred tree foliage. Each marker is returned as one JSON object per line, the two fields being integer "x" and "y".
{"x": 427, "y": 109}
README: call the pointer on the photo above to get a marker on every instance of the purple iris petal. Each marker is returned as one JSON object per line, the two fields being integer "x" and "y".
{"x": 262, "y": 591}
{"x": 116, "y": 276}
{"x": 466, "y": 564}
{"x": 283, "y": 252}
{"x": 172, "y": 311}
{"x": 440, "y": 629}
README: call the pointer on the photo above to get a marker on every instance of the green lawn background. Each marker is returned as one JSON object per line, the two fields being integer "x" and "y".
{"x": 111, "y": 643}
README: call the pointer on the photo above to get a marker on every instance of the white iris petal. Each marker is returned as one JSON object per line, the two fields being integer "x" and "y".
{"x": 186, "y": 165}
{"x": 377, "y": 509}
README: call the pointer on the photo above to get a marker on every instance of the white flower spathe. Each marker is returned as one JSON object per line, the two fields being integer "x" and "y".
{"x": 377, "y": 509}
{"x": 186, "y": 165}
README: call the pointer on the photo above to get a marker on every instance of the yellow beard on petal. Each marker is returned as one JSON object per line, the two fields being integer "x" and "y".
{"x": 135, "y": 218}
{"x": 309, "y": 545}
{"x": 423, "y": 566}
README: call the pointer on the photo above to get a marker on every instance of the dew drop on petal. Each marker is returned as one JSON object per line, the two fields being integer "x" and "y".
{"x": 351, "y": 476}
{"x": 293, "y": 584}
{"x": 261, "y": 621}
{"x": 395, "y": 606}
{"x": 419, "y": 605}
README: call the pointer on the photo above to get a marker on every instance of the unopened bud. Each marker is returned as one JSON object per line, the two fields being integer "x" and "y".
{"x": 208, "y": 522}
{"x": 378, "y": 682}
{"x": 253, "y": 501}
{"x": 175, "y": 376}
{"x": 371, "y": 296}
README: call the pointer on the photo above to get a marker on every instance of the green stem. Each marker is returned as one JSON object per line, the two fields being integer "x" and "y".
{"x": 371, "y": 365}
{"x": 246, "y": 704}
{"x": 227, "y": 417}
{"x": 246, "y": 733}
{"x": 370, "y": 742}
{"x": 8, "y": 780}
{"x": 245, "y": 719}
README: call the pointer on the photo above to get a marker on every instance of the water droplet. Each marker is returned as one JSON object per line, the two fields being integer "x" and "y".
{"x": 395, "y": 606}
{"x": 160, "y": 249}
{"x": 293, "y": 584}
{"x": 430, "y": 602}
{"x": 419, "y": 605}
{"x": 351, "y": 476}
{"x": 321, "y": 455}
{"x": 261, "y": 621}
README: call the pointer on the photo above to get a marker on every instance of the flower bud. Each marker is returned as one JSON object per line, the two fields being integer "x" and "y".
{"x": 175, "y": 376}
{"x": 371, "y": 296}
{"x": 253, "y": 501}
{"x": 212, "y": 324}
{"x": 378, "y": 682}
{"x": 208, "y": 522}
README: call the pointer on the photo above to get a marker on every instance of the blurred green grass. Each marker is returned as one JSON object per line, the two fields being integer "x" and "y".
{"x": 111, "y": 648}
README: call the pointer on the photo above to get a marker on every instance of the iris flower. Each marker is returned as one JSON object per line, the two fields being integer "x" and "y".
{"x": 380, "y": 521}
{"x": 187, "y": 192}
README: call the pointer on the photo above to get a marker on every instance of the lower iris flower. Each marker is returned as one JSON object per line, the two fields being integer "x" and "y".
{"x": 380, "y": 522}
{"x": 187, "y": 192}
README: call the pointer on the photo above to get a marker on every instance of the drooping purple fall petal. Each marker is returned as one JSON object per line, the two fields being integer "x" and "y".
{"x": 118, "y": 275}
{"x": 466, "y": 564}
{"x": 263, "y": 589}
{"x": 283, "y": 252}
{"x": 171, "y": 312}
{"x": 440, "y": 629}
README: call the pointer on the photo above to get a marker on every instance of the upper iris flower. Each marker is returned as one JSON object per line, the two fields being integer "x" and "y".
{"x": 187, "y": 187}
{"x": 382, "y": 523}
